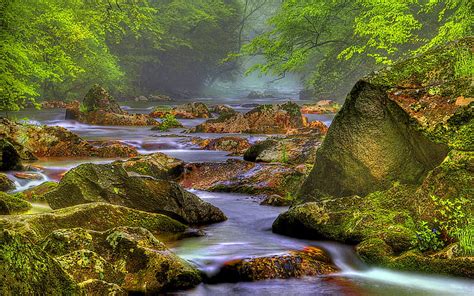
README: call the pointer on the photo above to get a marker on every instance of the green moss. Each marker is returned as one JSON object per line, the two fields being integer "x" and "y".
{"x": 27, "y": 270}
{"x": 13, "y": 204}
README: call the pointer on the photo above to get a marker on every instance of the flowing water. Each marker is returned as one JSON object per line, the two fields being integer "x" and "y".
{"x": 247, "y": 232}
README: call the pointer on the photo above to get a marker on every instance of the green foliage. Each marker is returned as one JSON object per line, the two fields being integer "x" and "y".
{"x": 428, "y": 238}
{"x": 466, "y": 239}
{"x": 83, "y": 108}
{"x": 332, "y": 43}
{"x": 58, "y": 49}
{"x": 284, "y": 155}
{"x": 169, "y": 121}
{"x": 464, "y": 66}
{"x": 450, "y": 214}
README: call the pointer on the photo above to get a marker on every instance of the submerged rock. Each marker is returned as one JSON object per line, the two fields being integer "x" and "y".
{"x": 308, "y": 262}
{"x": 111, "y": 183}
{"x": 28, "y": 270}
{"x": 99, "y": 108}
{"x": 262, "y": 119}
{"x": 30, "y": 140}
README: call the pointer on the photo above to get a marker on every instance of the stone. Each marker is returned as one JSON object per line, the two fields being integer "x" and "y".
{"x": 98, "y": 287}
{"x": 321, "y": 107}
{"x": 12, "y": 204}
{"x": 28, "y": 270}
{"x": 5, "y": 183}
{"x": 93, "y": 216}
{"x": 235, "y": 145}
{"x": 9, "y": 157}
{"x": 53, "y": 141}
{"x": 222, "y": 109}
{"x": 157, "y": 165}
{"x": 185, "y": 111}
{"x": 243, "y": 177}
{"x": 111, "y": 183}
{"x": 264, "y": 119}
{"x": 36, "y": 194}
{"x": 308, "y": 262}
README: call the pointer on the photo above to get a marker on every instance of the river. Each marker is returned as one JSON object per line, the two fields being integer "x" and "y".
{"x": 247, "y": 232}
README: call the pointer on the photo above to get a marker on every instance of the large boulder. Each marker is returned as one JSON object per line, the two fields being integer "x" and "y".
{"x": 28, "y": 270}
{"x": 262, "y": 119}
{"x": 99, "y": 108}
{"x": 308, "y": 262}
{"x": 28, "y": 141}
{"x": 93, "y": 216}
{"x": 111, "y": 183}
{"x": 395, "y": 125}
{"x": 222, "y": 109}
{"x": 36, "y": 194}
{"x": 395, "y": 172}
{"x": 130, "y": 257}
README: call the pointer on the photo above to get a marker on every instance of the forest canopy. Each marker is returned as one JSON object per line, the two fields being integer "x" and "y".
{"x": 56, "y": 49}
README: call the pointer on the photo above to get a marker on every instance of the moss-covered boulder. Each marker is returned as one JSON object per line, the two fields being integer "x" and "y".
{"x": 5, "y": 183}
{"x": 396, "y": 125}
{"x": 308, "y": 262}
{"x": 291, "y": 149}
{"x": 28, "y": 270}
{"x": 29, "y": 141}
{"x": 98, "y": 107}
{"x": 12, "y": 204}
{"x": 157, "y": 165}
{"x": 98, "y": 287}
{"x": 36, "y": 194}
{"x": 9, "y": 157}
{"x": 111, "y": 183}
{"x": 263, "y": 119}
{"x": 395, "y": 173}
{"x": 93, "y": 216}
{"x": 185, "y": 111}
{"x": 130, "y": 257}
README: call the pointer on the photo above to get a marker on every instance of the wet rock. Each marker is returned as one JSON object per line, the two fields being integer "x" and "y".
{"x": 127, "y": 256}
{"x": 27, "y": 270}
{"x": 36, "y": 194}
{"x": 57, "y": 104}
{"x": 99, "y": 108}
{"x": 291, "y": 149}
{"x": 222, "y": 109}
{"x": 262, "y": 119}
{"x": 28, "y": 176}
{"x": 54, "y": 141}
{"x": 111, "y": 183}
{"x": 93, "y": 216}
{"x": 243, "y": 177}
{"x": 12, "y": 204}
{"x": 9, "y": 157}
{"x": 98, "y": 287}
{"x": 157, "y": 165}
{"x": 235, "y": 145}
{"x": 277, "y": 200}
{"x": 309, "y": 262}
{"x": 5, "y": 183}
{"x": 321, "y": 107}
{"x": 185, "y": 111}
